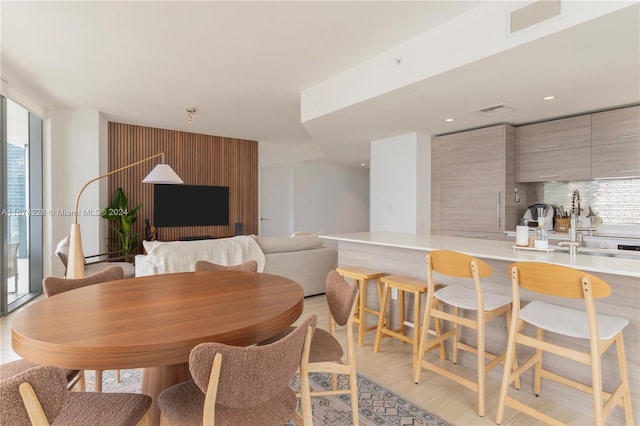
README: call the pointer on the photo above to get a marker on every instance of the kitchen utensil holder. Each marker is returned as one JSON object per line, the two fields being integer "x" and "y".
{"x": 562, "y": 224}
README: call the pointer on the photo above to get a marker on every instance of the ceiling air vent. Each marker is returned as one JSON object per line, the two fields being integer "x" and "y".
{"x": 494, "y": 109}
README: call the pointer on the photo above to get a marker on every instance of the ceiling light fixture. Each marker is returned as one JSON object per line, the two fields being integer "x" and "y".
{"x": 363, "y": 164}
{"x": 449, "y": 120}
{"x": 548, "y": 98}
{"x": 191, "y": 111}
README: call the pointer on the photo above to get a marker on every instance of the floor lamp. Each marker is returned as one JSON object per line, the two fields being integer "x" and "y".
{"x": 161, "y": 174}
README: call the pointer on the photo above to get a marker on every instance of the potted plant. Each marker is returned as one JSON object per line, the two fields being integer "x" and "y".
{"x": 118, "y": 212}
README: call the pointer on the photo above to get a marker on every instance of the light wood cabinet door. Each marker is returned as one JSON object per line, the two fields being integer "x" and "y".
{"x": 566, "y": 133}
{"x": 557, "y": 150}
{"x": 616, "y": 126}
{"x": 615, "y": 143}
{"x": 616, "y": 160}
{"x": 468, "y": 182}
{"x": 562, "y": 165}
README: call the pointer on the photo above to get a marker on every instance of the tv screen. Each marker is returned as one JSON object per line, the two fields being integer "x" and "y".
{"x": 190, "y": 205}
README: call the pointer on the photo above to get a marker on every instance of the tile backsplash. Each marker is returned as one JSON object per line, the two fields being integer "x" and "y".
{"x": 616, "y": 201}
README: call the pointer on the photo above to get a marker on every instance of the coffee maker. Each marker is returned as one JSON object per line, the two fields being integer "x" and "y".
{"x": 536, "y": 211}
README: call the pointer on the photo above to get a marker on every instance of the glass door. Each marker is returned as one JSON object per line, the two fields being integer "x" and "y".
{"x": 21, "y": 205}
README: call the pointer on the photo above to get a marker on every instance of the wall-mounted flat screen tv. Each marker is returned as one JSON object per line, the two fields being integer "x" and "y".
{"x": 190, "y": 205}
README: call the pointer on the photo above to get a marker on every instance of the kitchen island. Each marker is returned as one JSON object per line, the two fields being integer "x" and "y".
{"x": 404, "y": 253}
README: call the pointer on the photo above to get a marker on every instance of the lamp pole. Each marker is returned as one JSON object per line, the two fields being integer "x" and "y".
{"x": 75, "y": 261}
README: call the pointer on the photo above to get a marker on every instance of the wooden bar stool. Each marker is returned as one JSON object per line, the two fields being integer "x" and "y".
{"x": 415, "y": 287}
{"x": 459, "y": 298}
{"x": 599, "y": 331}
{"x": 361, "y": 276}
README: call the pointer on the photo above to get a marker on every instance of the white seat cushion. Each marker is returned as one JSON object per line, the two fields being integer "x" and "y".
{"x": 465, "y": 298}
{"x": 569, "y": 322}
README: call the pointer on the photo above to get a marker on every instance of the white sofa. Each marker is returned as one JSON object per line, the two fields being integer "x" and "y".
{"x": 303, "y": 259}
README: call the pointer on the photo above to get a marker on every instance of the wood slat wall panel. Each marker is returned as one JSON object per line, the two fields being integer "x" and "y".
{"x": 198, "y": 160}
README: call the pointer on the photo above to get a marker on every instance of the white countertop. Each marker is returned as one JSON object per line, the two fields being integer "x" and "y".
{"x": 488, "y": 249}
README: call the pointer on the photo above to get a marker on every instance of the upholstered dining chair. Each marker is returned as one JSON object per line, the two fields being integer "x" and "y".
{"x": 326, "y": 353}
{"x": 39, "y": 396}
{"x": 74, "y": 377}
{"x": 240, "y": 385}
{"x": 248, "y": 266}
{"x": 54, "y": 285}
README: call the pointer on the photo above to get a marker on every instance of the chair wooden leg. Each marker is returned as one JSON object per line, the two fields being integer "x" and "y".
{"x": 403, "y": 328}
{"x": 624, "y": 377}
{"x": 362, "y": 314}
{"x": 437, "y": 325}
{"x": 383, "y": 309}
{"x": 98, "y": 381}
{"x": 537, "y": 385}
{"x": 82, "y": 383}
{"x": 515, "y": 354}
{"x": 596, "y": 384}
{"x": 480, "y": 345}
{"x": 508, "y": 372}
{"x": 454, "y": 341}
{"x": 118, "y": 378}
{"x": 416, "y": 328}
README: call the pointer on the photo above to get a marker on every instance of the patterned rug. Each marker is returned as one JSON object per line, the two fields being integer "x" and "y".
{"x": 378, "y": 405}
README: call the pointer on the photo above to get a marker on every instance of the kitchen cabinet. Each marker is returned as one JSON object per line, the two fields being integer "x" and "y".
{"x": 615, "y": 142}
{"x": 473, "y": 183}
{"x": 554, "y": 150}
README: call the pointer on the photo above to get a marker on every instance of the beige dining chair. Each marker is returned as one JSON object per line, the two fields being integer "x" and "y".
{"x": 248, "y": 266}
{"x": 550, "y": 323}
{"x": 54, "y": 285}
{"x": 240, "y": 385}
{"x": 39, "y": 396}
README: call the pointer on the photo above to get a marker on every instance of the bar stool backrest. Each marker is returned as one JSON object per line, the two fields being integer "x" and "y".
{"x": 456, "y": 264}
{"x": 559, "y": 281}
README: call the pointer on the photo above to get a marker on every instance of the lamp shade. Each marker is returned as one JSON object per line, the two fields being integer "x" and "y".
{"x": 163, "y": 173}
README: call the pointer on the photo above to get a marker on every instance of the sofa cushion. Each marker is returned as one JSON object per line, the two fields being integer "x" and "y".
{"x": 280, "y": 245}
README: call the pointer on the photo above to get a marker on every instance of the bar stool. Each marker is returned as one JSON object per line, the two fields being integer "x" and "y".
{"x": 414, "y": 287}
{"x": 361, "y": 276}
{"x": 460, "y": 298}
{"x": 601, "y": 331}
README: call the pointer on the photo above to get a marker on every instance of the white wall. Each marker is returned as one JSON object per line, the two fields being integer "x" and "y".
{"x": 400, "y": 184}
{"x": 78, "y": 153}
{"x": 331, "y": 199}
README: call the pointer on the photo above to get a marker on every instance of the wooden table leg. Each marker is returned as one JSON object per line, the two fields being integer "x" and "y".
{"x": 157, "y": 379}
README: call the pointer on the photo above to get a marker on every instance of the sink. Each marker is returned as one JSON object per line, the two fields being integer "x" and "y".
{"x": 597, "y": 251}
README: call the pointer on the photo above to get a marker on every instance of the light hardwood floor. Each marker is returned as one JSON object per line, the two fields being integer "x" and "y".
{"x": 391, "y": 368}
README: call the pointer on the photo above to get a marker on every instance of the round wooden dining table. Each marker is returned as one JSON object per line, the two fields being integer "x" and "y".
{"x": 153, "y": 322}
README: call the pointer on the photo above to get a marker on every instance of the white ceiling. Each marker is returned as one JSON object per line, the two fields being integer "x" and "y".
{"x": 244, "y": 64}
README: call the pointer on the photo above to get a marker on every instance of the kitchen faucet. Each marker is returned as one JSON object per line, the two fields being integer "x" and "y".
{"x": 574, "y": 236}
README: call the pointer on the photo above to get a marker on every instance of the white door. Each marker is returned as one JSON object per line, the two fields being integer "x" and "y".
{"x": 276, "y": 201}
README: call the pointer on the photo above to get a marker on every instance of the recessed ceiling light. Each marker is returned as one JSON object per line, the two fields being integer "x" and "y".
{"x": 363, "y": 164}
{"x": 548, "y": 98}
{"x": 449, "y": 120}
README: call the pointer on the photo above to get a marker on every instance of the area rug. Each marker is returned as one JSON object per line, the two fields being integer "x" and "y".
{"x": 378, "y": 405}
